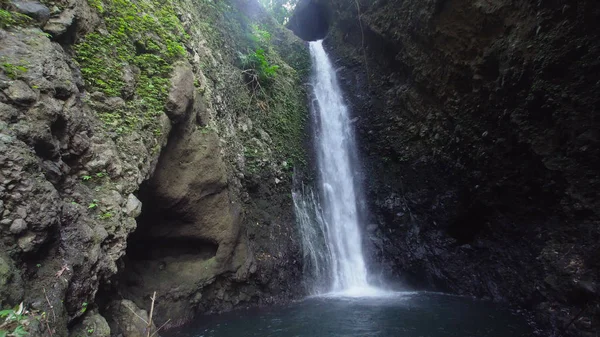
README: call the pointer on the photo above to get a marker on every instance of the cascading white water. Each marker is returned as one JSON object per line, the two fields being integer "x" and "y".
{"x": 334, "y": 145}
{"x": 317, "y": 257}
{"x": 339, "y": 224}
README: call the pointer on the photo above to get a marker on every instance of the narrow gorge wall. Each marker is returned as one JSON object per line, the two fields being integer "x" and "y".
{"x": 144, "y": 148}
{"x": 478, "y": 122}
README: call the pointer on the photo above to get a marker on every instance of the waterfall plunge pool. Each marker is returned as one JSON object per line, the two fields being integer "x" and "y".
{"x": 411, "y": 314}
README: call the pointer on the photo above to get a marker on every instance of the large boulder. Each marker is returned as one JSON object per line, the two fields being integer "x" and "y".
{"x": 33, "y": 9}
{"x": 93, "y": 325}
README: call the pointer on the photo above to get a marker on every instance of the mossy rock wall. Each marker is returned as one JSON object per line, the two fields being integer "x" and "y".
{"x": 90, "y": 101}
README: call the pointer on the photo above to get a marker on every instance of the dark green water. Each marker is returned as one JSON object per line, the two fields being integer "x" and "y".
{"x": 402, "y": 315}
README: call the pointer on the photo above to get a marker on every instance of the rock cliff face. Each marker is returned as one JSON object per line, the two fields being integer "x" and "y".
{"x": 144, "y": 148}
{"x": 478, "y": 122}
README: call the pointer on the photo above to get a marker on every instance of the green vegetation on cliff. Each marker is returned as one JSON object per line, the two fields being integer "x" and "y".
{"x": 141, "y": 40}
{"x": 13, "y": 71}
{"x": 272, "y": 65}
{"x": 279, "y": 99}
{"x": 132, "y": 57}
{"x": 10, "y": 18}
{"x": 90, "y": 107}
{"x": 256, "y": 63}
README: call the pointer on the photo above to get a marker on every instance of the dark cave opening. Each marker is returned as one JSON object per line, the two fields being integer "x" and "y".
{"x": 151, "y": 241}
{"x": 157, "y": 248}
{"x": 311, "y": 20}
{"x": 162, "y": 252}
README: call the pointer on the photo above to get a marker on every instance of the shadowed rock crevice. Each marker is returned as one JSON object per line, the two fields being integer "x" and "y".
{"x": 172, "y": 248}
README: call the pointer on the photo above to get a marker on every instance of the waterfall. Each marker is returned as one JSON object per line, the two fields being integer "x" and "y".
{"x": 331, "y": 230}
{"x": 316, "y": 251}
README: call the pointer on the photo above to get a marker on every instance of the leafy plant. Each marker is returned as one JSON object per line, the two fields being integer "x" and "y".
{"x": 207, "y": 129}
{"x": 258, "y": 70}
{"x": 84, "y": 307}
{"x": 93, "y": 204}
{"x": 89, "y": 177}
{"x": 259, "y": 60}
{"x": 13, "y": 71}
{"x": 257, "y": 67}
{"x": 106, "y": 215}
{"x": 15, "y": 321}
{"x": 10, "y": 18}
{"x": 260, "y": 36}
{"x": 97, "y": 4}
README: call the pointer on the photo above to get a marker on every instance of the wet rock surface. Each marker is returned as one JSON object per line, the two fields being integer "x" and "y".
{"x": 479, "y": 136}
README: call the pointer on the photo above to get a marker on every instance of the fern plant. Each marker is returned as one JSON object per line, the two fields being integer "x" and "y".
{"x": 257, "y": 64}
{"x": 257, "y": 68}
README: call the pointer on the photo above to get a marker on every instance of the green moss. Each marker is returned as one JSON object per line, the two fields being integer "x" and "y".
{"x": 5, "y": 272}
{"x": 253, "y": 162}
{"x": 11, "y": 19}
{"x": 146, "y": 35}
{"x": 97, "y": 4}
{"x": 13, "y": 71}
{"x": 279, "y": 105}
{"x": 286, "y": 119}
{"x": 282, "y": 101}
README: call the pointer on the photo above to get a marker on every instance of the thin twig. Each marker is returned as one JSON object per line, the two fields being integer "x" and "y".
{"x": 53, "y": 314}
{"x": 576, "y": 317}
{"x": 162, "y": 326}
{"x": 48, "y": 327}
{"x": 51, "y": 306}
{"x": 64, "y": 268}
{"x": 138, "y": 316}
{"x": 151, "y": 313}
